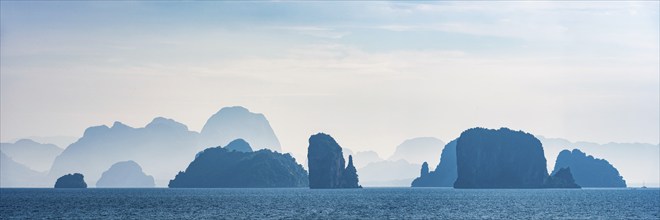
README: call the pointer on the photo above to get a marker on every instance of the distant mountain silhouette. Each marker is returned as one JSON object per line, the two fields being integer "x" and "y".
{"x": 162, "y": 147}
{"x": 638, "y": 162}
{"x": 419, "y": 150}
{"x": 364, "y": 158}
{"x": 236, "y": 122}
{"x": 126, "y": 174}
{"x": 75, "y": 180}
{"x": 59, "y": 141}
{"x": 34, "y": 155}
{"x": 589, "y": 171}
{"x": 239, "y": 145}
{"x": 503, "y": 159}
{"x": 14, "y": 174}
{"x": 388, "y": 173}
{"x": 326, "y": 164}
{"x": 219, "y": 167}
{"x": 445, "y": 172}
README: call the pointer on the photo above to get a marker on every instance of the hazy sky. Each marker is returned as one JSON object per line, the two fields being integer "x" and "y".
{"x": 371, "y": 74}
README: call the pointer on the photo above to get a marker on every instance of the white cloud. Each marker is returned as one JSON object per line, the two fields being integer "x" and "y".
{"x": 577, "y": 68}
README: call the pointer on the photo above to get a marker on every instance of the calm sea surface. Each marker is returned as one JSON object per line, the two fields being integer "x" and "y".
{"x": 301, "y": 203}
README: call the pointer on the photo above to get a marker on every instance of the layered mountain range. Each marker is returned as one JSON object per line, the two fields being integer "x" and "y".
{"x": 162, "y": 147}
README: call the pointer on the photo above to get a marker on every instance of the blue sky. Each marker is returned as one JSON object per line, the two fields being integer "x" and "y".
{"x": 372, "y": 74}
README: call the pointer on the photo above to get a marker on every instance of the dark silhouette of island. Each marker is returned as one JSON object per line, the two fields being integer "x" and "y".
{"x": 637, "y": 162}
{"x": 126, "y": 174}
{"x": 36, "y": 156}
{"x": 14, "y": 174}
{"x": 326, "y": 164}
{"x": 444, "y": 174}
{"x": 561, "y": 179}
{"x": 349, "y": 177}
{"x": 418, "y": 150}
{"x": 503, "y": 158}
{"x": 231, "y": 123}
{"x": 425, "y": 169}
{"x": 75, "y": 180}
{"x": 219, "y": 167}
{"x": 589, "y": 171}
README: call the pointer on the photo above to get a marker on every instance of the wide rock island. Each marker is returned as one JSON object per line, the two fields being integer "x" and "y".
{"x": 75, "y": 180}
{"x": 126, "y": 174}
{"x": 504, "y": 158}
{"x": 239, "y": 167}
{"x": 589, "y": 171}
{"x": 326, "y": 164}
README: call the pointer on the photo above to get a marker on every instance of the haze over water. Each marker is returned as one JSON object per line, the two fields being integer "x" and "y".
{"x": 373, "y": 73}
{"x": 330, "y": 110}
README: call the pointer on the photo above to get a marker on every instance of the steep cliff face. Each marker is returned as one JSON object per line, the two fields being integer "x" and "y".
{"x": 425, "y": 170}
{"x": 589, "y": 171}
{"x": 499, "y": 159}
{"x": 444, "y": 174}
{"x": 219, "y": 167}
{"x": 75, "y": 180}
{"x": 326, "y": 164}
{"x": 125, "y": 174}
{"x": 350, "y": 177}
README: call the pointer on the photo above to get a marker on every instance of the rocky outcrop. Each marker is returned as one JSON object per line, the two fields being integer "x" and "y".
{"x": 589, "y": 171}
{"x": 444, "y": 174}
{"x": 36, "y": 156}
{"x": 326, "y": 164}
{"x": 219, "y": 167}
{"x": 561, "y": 179}
{"x": 501, "y": 159}
{"x": 236, "y": 122}
{"x": 126, "y": 174}
{"x": 425, "y": 170}
{"x": 349, "y": 177}
{"x": 75, "y": 180}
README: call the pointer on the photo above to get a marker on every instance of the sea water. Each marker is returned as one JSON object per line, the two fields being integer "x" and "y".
{"x": 303, "y": 203}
